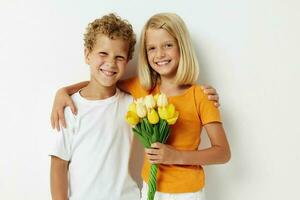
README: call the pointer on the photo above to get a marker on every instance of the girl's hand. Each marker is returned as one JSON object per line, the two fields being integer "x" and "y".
{"x": 62, "y": 100}
{"x": 212, "y": 94}
{"x": 161, "y": 154}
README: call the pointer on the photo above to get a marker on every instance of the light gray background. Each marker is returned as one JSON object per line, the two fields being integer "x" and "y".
{"x": 248, "y": 50}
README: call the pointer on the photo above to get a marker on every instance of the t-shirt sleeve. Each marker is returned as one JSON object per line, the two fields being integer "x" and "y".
{"x": 61, "y": 141}
{"x": 207, "y": 111}
{"x": 133, "y": 87}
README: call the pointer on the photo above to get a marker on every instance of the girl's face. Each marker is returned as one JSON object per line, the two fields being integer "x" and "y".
{"x": 162, "y": 52}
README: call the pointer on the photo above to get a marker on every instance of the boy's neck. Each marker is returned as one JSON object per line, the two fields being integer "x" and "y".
{"x": 95, "y": 91}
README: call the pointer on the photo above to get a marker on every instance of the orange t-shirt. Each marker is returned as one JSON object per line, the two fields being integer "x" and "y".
{"x": 195, "y": 110}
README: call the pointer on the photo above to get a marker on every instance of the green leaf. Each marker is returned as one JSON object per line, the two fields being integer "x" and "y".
{"x": 155, "y": 134}
{"x": 166, "y": 135}
{"x": 148, "y": 125}
{"x": 143, "y": 140}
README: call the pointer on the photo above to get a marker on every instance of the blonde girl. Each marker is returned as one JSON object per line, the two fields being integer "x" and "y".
{"x": 167, "y": 63}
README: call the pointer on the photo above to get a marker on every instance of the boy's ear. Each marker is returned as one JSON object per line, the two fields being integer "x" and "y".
{"x": 86, "y": 55}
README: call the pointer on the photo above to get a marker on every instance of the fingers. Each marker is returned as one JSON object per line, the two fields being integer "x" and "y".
{"x": 213, "y": 97}
{"x": 153, "y": 155}
{"x": 210, "y": 91}
{"x": 61, "y": 119}
{"x": 156, "y": 145}
{"x": 70, "y": 103}
{"x": 217, "y": 104}
{"x": 212, "y": 94}
{"x": 54, "y": 121}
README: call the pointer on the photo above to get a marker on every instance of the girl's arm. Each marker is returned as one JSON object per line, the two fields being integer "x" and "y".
{"x": 62, "y": 99}
{"x": 218, "y": 153}
{"x": 59, "y": 179}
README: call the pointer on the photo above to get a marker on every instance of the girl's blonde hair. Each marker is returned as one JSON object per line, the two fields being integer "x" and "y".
{"x": 188, "y": 68}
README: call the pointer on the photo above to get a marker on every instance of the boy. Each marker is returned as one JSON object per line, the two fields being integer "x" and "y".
{"x": 90, "y": 157}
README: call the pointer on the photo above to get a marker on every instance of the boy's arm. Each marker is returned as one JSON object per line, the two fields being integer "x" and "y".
{"x": 62, "y": 99}
{"x": 59, "y": 178}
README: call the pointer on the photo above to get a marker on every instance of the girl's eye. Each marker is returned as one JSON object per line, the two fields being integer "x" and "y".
{"x": 150, "y": 48}
{"x": 168, "y": 45}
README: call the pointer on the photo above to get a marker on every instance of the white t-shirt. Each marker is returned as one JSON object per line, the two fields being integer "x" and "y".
{"x": 97, "y": 144}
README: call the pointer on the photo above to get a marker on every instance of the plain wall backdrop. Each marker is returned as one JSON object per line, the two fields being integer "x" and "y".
{"x": 248, "y": 50}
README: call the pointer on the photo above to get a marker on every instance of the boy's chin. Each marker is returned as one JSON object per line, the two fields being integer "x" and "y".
{"x": 106, "y": 83}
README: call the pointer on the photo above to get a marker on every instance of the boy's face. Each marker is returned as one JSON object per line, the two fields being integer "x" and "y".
{"x": 107, "y": 60}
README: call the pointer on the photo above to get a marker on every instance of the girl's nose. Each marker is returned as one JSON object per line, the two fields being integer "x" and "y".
{"x": 160, "y": 53}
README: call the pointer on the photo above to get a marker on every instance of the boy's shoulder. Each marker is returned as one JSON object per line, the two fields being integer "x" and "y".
{"x": 125, "y": 96}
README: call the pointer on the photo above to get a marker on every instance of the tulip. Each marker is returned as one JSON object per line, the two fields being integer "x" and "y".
{"x": 132, "y": 107}
{"x": 139, "y": 100}
{"x": 171, "y": 110}
{"x": 162, "y": 100}
{"x": 149, "y": 101}
{"x": 172, "y": 120}
{"x": 132, "y": 118}
{"x": 168, "y": 113}
{"x": 152, "y": 116}
{"x": 156, "y": 97}
{"x": 141, "y": 110}
{"x": 162, "y": 112}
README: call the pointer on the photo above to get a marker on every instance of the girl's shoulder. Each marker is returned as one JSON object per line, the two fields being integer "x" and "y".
{"x": 198, "y": 92}
{"x": 132, "y": 86}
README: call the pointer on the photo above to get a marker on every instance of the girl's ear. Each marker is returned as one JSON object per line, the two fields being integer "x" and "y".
{"x": 86, "y": 55}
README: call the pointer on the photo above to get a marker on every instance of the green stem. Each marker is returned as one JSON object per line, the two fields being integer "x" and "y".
{"x": 152, "y": 182}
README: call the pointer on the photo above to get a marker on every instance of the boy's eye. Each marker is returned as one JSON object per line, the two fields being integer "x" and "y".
{"x": 120, "y": 58}
{"x": 102, "y": 53}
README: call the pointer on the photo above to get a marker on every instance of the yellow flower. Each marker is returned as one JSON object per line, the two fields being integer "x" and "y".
{"x": 152, "y": 116}
{"x": 162, "y": 100}
{"x": 132, "y": 107}
{"x": 132, "y": 118}
{"x": 139, "y": 100}
{"x": 156, "y": 97}
{"x": 141, "y": 110}
{"x": 149, "y": 101}
{"x": 162, "y": 112}
{"x": 172, "y": 120}
{"x": 168, "y": 113}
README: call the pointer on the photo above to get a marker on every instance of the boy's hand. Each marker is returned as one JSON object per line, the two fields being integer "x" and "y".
{"x": 212, "y": 94}
{"x": 161, "y": 154}
{"x": 62, "y": 100}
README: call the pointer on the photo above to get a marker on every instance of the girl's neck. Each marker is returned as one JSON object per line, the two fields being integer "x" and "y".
{"x": 170, "y": 88}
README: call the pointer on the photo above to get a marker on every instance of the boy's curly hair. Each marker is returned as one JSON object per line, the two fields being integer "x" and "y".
{"x": 113, "y": 27}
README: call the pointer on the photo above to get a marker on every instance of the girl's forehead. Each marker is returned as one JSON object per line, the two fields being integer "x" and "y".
{"x": 155, "y": 35}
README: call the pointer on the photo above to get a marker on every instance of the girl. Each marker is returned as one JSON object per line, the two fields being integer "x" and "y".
{"x": 167, "y": 63}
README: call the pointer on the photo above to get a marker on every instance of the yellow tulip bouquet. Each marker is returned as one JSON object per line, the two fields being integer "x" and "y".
{"x": 150, "y": 118}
